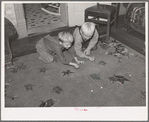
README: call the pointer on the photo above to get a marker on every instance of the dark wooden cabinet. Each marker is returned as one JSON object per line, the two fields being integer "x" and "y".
{"x": 103, "y": 14}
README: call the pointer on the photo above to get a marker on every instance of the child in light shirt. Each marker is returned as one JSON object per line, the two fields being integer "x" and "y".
{"x": 86, "y": 38}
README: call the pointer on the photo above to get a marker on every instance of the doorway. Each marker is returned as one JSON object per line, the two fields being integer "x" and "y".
{"x": 39, "y": 20}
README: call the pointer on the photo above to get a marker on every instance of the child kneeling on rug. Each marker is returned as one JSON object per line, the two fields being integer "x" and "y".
{"x": 48, "y": 46}
{"x": 86, "y": 39}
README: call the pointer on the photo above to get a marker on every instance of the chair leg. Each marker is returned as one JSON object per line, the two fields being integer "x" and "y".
{"x": 116, "y": 16}
{"x": 115, "y": 23}
{"x": 108, "y": 29}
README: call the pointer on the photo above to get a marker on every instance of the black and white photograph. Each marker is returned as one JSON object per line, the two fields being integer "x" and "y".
{"x": 74, "y": 58}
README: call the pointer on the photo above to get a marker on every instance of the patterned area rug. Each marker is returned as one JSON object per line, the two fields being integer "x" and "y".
{"x": 115, "y": 78}
{"x": 39, "y": 21}
{"x": 35, "y": 17}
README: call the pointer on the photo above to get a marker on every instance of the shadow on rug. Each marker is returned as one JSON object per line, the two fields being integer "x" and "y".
{"x": 115, "y": 78}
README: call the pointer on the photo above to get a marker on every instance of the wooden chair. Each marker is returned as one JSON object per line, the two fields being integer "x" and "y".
{"x": 103, "y": 14}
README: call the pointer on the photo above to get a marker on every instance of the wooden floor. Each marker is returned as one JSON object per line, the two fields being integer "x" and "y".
{"x": 130, "y": 38}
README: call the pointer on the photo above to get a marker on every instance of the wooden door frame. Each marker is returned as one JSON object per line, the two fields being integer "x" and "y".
{"x": 21, "y": 21}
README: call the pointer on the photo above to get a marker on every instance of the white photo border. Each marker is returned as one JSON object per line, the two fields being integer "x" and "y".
{"x": 70, "y": 113}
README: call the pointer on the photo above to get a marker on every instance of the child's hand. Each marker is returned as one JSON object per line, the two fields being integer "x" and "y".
{"x": 76, "y": 66}
{"x": 87, "y": 52}
{"x": 80, "y": 62}
{"x": 92, "y": 58}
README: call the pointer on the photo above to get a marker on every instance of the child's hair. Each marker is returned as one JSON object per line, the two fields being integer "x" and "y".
{"x": 88, "y": 28}
{"x": 65, "y": 37}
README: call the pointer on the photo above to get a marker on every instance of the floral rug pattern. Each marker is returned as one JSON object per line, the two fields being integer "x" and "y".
{"x": 115, "y": 78}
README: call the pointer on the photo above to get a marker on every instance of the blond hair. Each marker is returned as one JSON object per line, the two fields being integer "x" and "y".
{"x": 88, "y": 28}
{"x": 65, "y": 37}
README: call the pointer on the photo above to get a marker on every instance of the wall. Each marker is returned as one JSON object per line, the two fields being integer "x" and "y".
{"x": 9, "y": 13}
{"x": 64, "y": 13}
{"x": 76, "y": 12}
{"x": 15, "y": 13}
